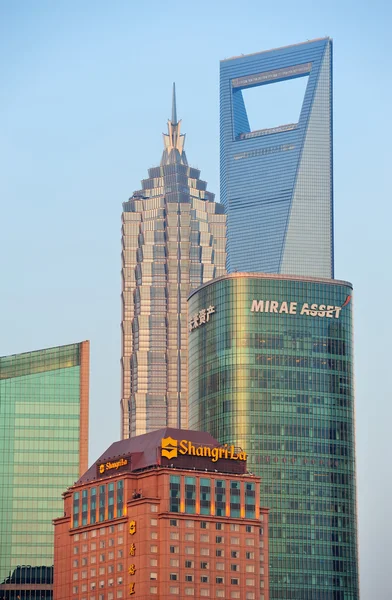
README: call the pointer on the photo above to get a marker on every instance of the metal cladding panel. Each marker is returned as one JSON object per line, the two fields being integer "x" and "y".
{"x": 259, "y": 170}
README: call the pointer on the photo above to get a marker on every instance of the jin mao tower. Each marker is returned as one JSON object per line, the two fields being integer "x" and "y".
{"x": 173, "y": 240}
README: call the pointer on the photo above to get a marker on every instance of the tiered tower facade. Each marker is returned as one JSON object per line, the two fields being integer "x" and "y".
{"x": 173, "y": 240}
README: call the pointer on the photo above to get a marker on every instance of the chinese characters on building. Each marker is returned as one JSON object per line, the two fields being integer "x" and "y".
{"x": 200, "y": 318}
{"x": 132, "y": 552}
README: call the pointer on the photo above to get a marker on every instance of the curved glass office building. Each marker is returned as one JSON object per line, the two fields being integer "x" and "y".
{"x": 271, "y": 367}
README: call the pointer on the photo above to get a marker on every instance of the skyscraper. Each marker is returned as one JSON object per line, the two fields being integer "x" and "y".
{"x": 179, "y": 516}
{"x": 44, "y": 444}
{"x": 276, "y": 183}
{"x": 273, "y": 370}
{"x": 173, "y": 240}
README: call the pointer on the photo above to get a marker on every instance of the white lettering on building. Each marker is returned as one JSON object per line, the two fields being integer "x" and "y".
{"x": 291, "y": 308}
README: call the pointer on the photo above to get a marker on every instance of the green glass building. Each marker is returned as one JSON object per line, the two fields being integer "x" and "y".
{"x": 271, "y": 367}
{"x": 43, "y": 450}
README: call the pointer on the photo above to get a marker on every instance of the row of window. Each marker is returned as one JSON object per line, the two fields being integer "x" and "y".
{"x": 212, "y": 489}
{"x": 205, "y": 592}
{"x": 97, "y": 504}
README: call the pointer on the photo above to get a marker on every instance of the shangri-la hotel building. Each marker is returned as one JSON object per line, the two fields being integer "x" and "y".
{"x": 168, "y": 514}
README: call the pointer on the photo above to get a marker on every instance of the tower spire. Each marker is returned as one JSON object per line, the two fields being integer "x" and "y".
{"x": 174, "y": 106}
{"x": 174, "y": 140}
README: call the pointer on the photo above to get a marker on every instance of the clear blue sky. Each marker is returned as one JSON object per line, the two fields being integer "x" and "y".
{"x": 85, "y": 95}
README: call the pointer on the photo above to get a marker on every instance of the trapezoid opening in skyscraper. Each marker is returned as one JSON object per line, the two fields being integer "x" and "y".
{"x": 277, "y": 183}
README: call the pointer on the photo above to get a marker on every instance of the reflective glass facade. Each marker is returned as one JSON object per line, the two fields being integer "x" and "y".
{"x": 43, "y": 450}
{"x": 273, "y": 370}
{"x": 276, "y": 184}
{"x": 173, "y": 240}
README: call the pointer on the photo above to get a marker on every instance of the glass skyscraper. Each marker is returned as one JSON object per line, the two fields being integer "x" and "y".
{"x": 43, "y": 449}
{"x": 173, "y": 240}
{"x": 276, "y": 183}
{"x": 272, "y": 369}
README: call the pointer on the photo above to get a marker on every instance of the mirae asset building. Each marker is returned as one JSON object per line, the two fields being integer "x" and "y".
{"x": 171, "y": 513}
{"x": 273, "y": 370}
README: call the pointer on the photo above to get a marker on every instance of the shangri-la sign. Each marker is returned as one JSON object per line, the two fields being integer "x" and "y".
{"x": 171, "y": 448}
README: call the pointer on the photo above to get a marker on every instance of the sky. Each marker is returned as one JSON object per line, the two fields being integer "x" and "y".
{"x": 85, "y": 96}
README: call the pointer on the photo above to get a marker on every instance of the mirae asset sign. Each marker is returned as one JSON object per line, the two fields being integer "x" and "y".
{"x": 294, "y": 308}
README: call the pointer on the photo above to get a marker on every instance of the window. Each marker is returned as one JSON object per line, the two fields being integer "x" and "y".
{"x": 190, "y": 495}
{"x": 220, "y": 498}
{"x": 204, "y": 565}
{"x": 102, "y": 501}
{"x": 153, "y": 549}
{"x": 93, "y": 560}
{"x": 154, "y": 508}
{"x": 154, "y": 522}
{"x": 250, "y": 501}
{"x": 250, "y": 582}
{"x": 205, "y": 496}
{"x": 204, "y": 538}
{"x": 235, "y": 554}
{"x": 189, "y": 564}
{"x": 220, "y": 566}
{"x": 189, "y": 524}
{"x": 120, "y": 500}
{"x": 102, "y": 570}
{"x": 235, "y": 499}
{"x": 154, "y": 535}
{"x": 189, "y": 591}
{"x": 205, "y": 551}
{"x": 220, "y": 593}
{"x": 174, "y": 562}
{"x": 75, "y": 576}
{"x": 93, "y": 546}
{"x": 119, "y": 594}
{"x": 249, "y": 529}
{"x": 234, "y": 581}
{"x": 234, "y": 567}
{"x": 234, "y": 527}
{"x": 189, "y": 550}
{"x": 173, "y": 549}
{"x": 75, "y": 589}
{"x": 75, "y": 520}
{"x": 204, "y": 579}
{"x": 219, "y": 539}
{"x": 250, "y": 568}
{"x": 189, "y": 537}
{"x": 249, "y": 542}
{"x": 173, "y": 576}
{"x": 153, "y": 576}
{"x": 219, "y": 552}
{"x": 219, "y": 526}
{"x": 76, "y": 550}
{"x": 153, "y": 590}
{"x": 235, "y": 595}
{"x": 188, "y": 577}
{"x": 101, "y": 558}
{"x": 204, "y": 592}
{"x": 250, "y": 555}
{"x": 174, "y": 590}
{"x": 250, "y": 596}
{"x": 102, "y": 544}
{"x": 173, "y": 522}
{"x": 204, "y": 525}
{"x": 75, "y": 563}
{"x": 175, "y": 492}
{"x": 119, "y": 567}
{"x": 219, "y": 580}
{"x": 153, "y": 562}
